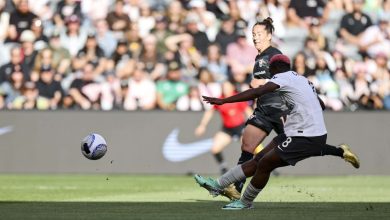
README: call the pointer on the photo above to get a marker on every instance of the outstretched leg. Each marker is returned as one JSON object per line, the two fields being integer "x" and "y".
{"x": 265, "y": 166}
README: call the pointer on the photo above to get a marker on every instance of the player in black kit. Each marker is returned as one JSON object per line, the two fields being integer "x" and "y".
{"x": 269, "y": 110}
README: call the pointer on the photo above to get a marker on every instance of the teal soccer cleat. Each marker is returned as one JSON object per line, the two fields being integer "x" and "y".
{"x": 209, "y": 184}
{"x": 236, "y": 205}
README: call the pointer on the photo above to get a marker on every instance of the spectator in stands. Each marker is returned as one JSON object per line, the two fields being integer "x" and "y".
{"x": 27, "y": 40}
{"x": 41, "y": 40}
{"x": 207, "y": 20}
{"x": 141, "y": 93}
{"x": 161, "y": 32}
{"x": 316, "y": 34}
{"x": 171, "y": 89}
{"x": 176, "y": 15}
{"x": 153, "y": 60}
{"x": 95, "y": 10}
{"x": 326, "y": 85}
{"x": 146, "y": 20}
{"x": 376, "y": 38}
{"x": 227, "y": 33}
{"x": 381, "y": 79}
{"x": 190, "y": 102}
{"x": 48, "y": 87}
{"x": 134, "y": 40}
{"x": 299, "y": 65}
{"x": 301, "y": 13}
{"x": 241, "y": 55}
{"x": 81, "y": 96}
{"x": 277, "y": 11}
{"x": 61, "y": 58}
{"x": 352, "y": 25}
{"x": 201, "y": 42}
{"x": 20, "y": 20}
{"x": 184, "y": 52}
{"x": 121, "y": 62}
{"x": 74, "y": 37}
{"x": 91, "y": 53}
{"x": 207, "y": 85}
{"x": 105, "y": 38}
{"x": 66, "y": 9}
{"x": 11, "y": 88}
{"x": 16, "y": 60}
{"x": 117, "y": 20}
{"x": 4, "y": 21}
{"x": 30, "y": 99}
{"x": 215, "y": 63}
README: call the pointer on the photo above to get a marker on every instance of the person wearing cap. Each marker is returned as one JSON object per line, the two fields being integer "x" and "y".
{"x": 171, "y": 89}
{"x": 48, "y": 87}
{"x": 304, "y": 137}
{"x": 74, "y": 36}
{"x": 29, "y": 53}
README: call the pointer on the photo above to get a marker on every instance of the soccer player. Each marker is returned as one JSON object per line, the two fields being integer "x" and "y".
{"x": 233, "y": 117}
{"x": 269, "y": 109}
{"x": 305, "y": 134}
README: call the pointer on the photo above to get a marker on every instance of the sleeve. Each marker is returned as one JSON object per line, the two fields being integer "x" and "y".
{"x": 280, "y": 80}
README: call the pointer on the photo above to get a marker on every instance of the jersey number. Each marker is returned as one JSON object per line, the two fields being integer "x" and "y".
{"x": 287, "y": 142}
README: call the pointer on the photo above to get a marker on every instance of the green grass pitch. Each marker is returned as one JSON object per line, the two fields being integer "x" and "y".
{"x": 178, "y": 197}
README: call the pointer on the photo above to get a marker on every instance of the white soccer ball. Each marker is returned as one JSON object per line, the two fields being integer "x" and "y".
{"x": 93, "y": 146}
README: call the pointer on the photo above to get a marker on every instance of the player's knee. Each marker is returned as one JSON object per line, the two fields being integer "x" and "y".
{"x": 248, "y": 146}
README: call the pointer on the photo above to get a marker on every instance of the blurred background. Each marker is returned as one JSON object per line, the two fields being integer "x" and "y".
{"x": 139, "y": 68}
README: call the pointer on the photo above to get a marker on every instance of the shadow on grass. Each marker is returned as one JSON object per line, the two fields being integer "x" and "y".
{"x": 202, "y": 209}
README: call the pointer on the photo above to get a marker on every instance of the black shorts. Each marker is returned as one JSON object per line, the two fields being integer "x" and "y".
{"x": 234, "y": 132}
{"x": 266, "y": 122}
{"x": 295, "y": 149}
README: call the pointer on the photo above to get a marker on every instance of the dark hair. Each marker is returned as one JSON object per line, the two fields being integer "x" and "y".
{"x": 279, "y": 67}
{"x": 269, "y": 27}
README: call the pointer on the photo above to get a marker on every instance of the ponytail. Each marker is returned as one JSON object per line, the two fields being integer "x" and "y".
{"x": 269, "y": 27}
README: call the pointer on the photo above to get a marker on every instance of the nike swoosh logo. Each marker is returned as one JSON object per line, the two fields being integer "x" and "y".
{"x": 5, "y": 130}
{"x": 175, "y": 151}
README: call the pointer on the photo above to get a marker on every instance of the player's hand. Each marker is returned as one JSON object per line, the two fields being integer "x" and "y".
{"x": 199, "y": 131}
{"x": 213, "y": 101}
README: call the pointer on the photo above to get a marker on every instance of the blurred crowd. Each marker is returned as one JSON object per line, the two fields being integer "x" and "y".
{"x": 165, "y": 54}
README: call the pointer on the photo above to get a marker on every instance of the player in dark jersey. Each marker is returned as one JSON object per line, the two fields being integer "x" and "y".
{"x": 271, "y": 108}
{"x": 233, "y": 119}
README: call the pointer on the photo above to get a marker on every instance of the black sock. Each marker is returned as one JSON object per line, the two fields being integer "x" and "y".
{"x": 245, "y": 156}
{"x": 332, "y": 150}
{"x": 219, "y": 157}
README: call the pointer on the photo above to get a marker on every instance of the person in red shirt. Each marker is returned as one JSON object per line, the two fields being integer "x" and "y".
{"x": 233, "y": 118}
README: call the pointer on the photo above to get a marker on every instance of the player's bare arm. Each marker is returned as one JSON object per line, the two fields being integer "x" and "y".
{"x": 247, "y": 95}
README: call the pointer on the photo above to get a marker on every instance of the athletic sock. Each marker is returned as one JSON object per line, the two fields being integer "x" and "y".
{"x": 233, "y": 175}
{"x": 218, "y": 157}
{"x": 249, "y": 195}
{"x": 332, "y": 150}
{"x": 245, "y": 156}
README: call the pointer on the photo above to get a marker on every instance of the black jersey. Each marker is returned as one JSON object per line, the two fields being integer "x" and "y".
{"x": 271, "y": 104}
{"x": 261, "y": 68}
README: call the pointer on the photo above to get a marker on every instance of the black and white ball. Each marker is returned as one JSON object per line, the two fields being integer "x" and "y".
{"x": 93, "y": 146}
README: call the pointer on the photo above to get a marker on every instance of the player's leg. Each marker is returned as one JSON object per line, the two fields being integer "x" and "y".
{"x": 220, "y": 141}
{"x": 270, "y": 161}
{"x": 251, "y": 138}
{"x": 221, "y": 186}
{"x": 343, "y": 151}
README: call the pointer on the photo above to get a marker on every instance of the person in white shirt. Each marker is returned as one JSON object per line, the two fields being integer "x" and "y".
{"x": 305, "y": 134}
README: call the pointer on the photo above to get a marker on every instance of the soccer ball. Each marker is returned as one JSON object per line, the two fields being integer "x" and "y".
{"x": 93, "y": 146}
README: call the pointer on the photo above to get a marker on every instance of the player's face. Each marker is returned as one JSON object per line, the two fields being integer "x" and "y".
{"x": 261, "y": 38}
